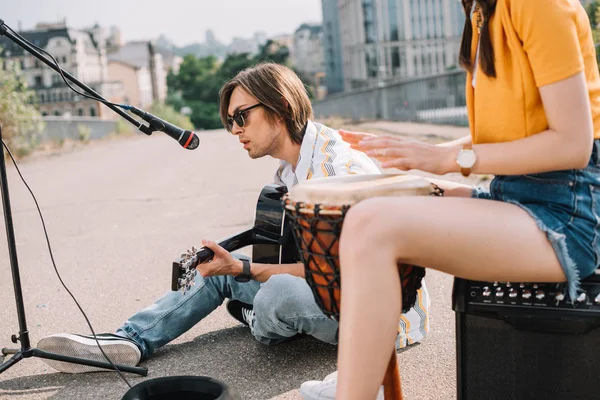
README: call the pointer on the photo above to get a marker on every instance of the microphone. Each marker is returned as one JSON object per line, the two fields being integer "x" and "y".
{"x": 186, "y": 138}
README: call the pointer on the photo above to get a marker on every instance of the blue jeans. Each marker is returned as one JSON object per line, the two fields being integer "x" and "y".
{"x": 566, "y": 207}
{"x": 284, "y": 306}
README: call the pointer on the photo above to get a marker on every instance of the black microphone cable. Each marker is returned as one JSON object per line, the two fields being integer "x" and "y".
{"x": 56, "y": 269}
{"x": 191, "y": 144}
{"x": 60, "y": 71}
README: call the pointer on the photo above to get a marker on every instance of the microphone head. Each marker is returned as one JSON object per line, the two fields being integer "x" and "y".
{"x": 192, "y": 141}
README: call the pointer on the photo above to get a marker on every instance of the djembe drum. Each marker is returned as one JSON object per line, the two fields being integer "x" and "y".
{"x": 316, "y": 210}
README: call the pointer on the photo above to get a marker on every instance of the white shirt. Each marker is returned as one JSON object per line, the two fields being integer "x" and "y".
{"x": 323, "y": 153}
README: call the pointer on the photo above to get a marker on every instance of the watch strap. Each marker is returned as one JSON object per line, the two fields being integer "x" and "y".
{"x": 245, "y": 275}
{"x": 466, "y": 171}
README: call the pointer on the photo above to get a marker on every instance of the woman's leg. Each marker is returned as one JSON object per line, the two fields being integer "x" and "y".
{"x": 469, "y": 238}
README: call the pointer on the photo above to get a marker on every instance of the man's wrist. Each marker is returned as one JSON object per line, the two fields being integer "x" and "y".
{"x": 238, "y": 267}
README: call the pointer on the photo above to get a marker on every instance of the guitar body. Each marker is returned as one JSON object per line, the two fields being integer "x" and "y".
{"x": 269, "y": 221}
{"x": 270, "y": 238}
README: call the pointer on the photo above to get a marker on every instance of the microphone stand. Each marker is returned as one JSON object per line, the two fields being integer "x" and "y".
{"x": 26, "y": 351}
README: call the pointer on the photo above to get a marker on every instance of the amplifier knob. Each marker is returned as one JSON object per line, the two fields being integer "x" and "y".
{"x": 499, "y": 292}
{"x": 508, "y": 284}
{"x": 540, "y": 294}
{"x": 487, "y": 292}
{"x": 522, "y": 285}
{"x": 597, "y": 299}
{"x": 512, "y": 293}
{"x": 560, "y": 297}
{"x": 526, "y": 294}
{"x": 582, "y": 298}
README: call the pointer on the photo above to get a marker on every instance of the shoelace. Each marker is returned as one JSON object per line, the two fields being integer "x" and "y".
{"x": 248, "y": 315}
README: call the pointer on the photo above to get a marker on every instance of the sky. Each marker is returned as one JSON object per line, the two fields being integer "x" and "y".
{"x": 182, "y": 21}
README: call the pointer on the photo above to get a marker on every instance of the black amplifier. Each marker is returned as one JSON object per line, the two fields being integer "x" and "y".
{"x": 527, "y": 341}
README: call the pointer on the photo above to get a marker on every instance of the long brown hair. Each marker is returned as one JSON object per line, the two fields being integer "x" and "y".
{"x": 486, "y": 51}
{"x": 281, "y": 92}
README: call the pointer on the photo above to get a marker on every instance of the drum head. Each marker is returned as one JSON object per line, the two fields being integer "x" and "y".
{"x": 351, "y": 189}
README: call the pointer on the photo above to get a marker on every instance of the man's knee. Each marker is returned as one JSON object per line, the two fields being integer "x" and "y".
{"x": 282, "y": 294}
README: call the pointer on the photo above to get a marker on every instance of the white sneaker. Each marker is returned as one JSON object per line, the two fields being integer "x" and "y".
{"x": 325, "y": 389}
{"x": 120, "y": 350}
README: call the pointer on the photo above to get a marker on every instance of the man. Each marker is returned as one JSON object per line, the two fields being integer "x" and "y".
{"x": 268, "y": 109}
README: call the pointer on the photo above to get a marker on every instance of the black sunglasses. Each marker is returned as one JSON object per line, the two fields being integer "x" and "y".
{"x": 238, "y": 117}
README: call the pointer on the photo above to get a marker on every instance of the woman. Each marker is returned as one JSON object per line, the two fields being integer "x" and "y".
{"x": 533, "y": 100}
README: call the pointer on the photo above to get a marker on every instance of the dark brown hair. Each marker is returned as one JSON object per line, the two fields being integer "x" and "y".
{"x": 281, "y": 92}
{"x": 486, "y": 51}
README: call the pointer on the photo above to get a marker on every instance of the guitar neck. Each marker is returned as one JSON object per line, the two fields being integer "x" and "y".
{"x": 231, "y": 243}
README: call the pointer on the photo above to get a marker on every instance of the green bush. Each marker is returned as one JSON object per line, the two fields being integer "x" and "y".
{"x": 21, "y": 122}
{"x": 171, "y": 115}
{"x": 83, "y": 133}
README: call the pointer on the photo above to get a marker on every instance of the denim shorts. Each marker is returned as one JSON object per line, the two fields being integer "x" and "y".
{"x": 566, "y": 206}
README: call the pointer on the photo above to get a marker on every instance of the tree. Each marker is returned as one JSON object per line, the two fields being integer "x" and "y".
{"x": 21, "y": 121}
{"x": 199, "y": 80}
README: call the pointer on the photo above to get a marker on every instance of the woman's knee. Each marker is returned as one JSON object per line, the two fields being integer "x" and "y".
{"x": 369, "y": 222}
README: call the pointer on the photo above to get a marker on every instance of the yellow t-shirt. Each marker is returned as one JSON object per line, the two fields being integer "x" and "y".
{"x": 536, "y": 43}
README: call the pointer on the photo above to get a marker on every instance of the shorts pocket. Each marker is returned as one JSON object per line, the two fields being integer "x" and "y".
{"x": 566, "y": 178}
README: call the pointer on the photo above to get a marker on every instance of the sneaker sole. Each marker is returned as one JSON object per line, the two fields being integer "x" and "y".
{"x": 119, "y": 351}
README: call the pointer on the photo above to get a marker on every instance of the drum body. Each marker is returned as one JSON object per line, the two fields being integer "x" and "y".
{"x": 317, "y": 209}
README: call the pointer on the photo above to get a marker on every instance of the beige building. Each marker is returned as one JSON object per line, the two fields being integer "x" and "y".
{"x": 143, "y": 55}
{"x": 136, "y": 81}
{"x": 80, "y": 52}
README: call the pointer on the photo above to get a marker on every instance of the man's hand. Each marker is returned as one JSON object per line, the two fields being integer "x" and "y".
{"x": 223, "y": 263}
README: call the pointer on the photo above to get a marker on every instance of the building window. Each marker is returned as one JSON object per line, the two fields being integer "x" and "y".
{"x": 80, "y": 112}
{"x": 92, "y": 112}
{"x": 42, "y": 97}
{"x": 38, "y": 80}
{"x": 369, "y": 21}
{"x": 393, "y": 19}
{"x": 395, "y": 59}
{"x": 57, "y": 113}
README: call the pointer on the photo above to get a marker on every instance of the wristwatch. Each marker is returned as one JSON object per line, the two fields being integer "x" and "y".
{"x": 245, "y": 275}
{"x": 466, "y": 159}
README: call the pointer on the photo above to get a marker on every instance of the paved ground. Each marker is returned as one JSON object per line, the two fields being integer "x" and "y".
{"x": 118, "y": 212}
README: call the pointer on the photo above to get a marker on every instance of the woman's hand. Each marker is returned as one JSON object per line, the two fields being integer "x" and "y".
{"x": 223, "y": 263}
{"x": 404, "y": 154}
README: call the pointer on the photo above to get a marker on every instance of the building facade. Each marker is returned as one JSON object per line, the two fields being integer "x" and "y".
{"x": 332, "y": 47}
{"x": 143, "y": 56}
{"x": 387, "y": 40}
{"x": 81, "y": 53}
{"x": 308, "y": 57}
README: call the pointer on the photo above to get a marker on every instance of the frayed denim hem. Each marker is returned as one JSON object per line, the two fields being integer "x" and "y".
{"x": 559, "y": 244}
{"x": 130, "y": 333}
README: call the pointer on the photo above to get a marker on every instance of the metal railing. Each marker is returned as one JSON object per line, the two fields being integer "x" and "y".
{"x": 438, "y": 99}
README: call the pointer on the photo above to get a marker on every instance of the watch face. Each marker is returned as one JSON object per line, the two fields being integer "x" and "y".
{"x": 466, "y": 158}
